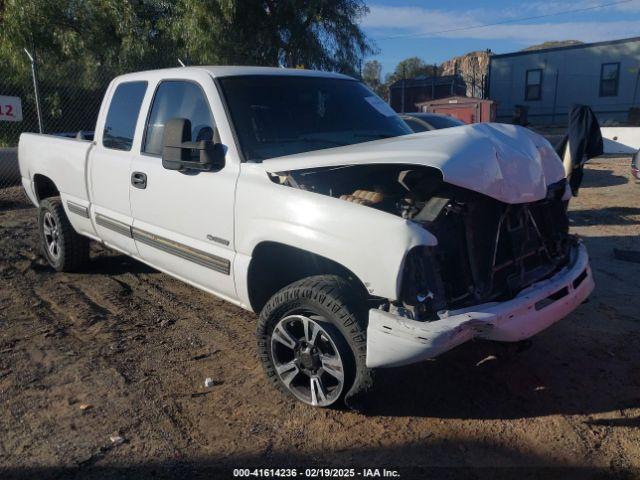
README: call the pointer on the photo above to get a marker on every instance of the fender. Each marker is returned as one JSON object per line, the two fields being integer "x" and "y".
{"x": 370, "y": 243}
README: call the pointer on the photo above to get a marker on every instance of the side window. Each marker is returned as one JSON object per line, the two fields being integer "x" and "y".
{"x": 182, "y": 99}
{"x": 122, "y": 117}
{"x": 533, "y": 87}
{"x": 609, "y": 75}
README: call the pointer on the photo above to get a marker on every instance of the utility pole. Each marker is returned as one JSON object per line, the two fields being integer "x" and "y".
{"x": 434, "y": 72}
{"x": 404, "y": 79}
{"x": 473, "y": 81}
{"x": 36, "y": 93}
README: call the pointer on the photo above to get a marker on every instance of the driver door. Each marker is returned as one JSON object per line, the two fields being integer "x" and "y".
{"x": 183, "y": 220}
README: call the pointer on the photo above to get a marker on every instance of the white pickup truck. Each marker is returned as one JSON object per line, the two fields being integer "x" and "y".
{"x": 303, "y": 197}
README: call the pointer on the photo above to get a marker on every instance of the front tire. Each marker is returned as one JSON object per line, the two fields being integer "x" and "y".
{"x": 312, "y": 340}
{"x": 64, "y": 249}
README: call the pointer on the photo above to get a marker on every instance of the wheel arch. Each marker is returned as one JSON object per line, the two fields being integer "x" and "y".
{"x": 44, "y": 187}
{"x": 275, "y": 265}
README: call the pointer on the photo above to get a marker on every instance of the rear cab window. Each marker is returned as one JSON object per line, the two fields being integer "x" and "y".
{"x": 122, "y": 117}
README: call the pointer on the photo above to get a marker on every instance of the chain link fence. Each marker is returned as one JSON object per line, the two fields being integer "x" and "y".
{"x": 68, "y": 99}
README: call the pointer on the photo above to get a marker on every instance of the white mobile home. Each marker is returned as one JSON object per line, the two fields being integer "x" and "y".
{"x": 547, "y": 82}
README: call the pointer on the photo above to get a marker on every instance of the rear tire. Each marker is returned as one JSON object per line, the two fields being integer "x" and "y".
{"x": 64, "y": 249}
{"x": 312, "y": 340}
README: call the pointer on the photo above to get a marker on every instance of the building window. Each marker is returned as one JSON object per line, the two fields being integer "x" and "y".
{"x": 533, "y": 87}
{"x": 609, "y": 75}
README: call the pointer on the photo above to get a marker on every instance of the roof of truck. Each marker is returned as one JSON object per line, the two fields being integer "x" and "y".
{"x": 233, "y": 71}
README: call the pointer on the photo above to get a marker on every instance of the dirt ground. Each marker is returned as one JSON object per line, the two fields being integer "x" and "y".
{"x": 124, "y": 350}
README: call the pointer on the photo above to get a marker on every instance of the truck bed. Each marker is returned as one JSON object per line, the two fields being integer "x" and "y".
{"x": 62, "y": 159}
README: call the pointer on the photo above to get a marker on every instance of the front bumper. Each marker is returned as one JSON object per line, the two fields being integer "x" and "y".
{"x": 393, "y": 340}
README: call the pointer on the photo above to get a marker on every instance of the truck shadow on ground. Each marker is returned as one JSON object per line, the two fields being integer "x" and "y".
{"x": 605, "y": 216}
{"x": 585, "y": 364}
{"x": 484, "y": 380}
{"x": 439, "y": 459}
{"x": 602, "y": 178}
{"x": 107, "y": 262}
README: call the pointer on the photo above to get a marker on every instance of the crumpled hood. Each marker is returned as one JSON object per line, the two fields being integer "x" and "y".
{"x": 509, "y": 163}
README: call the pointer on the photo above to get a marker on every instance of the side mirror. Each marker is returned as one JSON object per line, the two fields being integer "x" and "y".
{"x": 180, "y": 153}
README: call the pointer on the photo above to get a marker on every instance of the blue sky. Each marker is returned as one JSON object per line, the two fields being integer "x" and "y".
{"x": 438, "y": 30}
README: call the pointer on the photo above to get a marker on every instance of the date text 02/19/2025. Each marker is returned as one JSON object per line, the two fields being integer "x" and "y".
{"x": 316, "y": 473}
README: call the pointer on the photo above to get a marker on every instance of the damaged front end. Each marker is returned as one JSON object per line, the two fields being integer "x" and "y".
{"x": 487, "y": 250}
{"x": 492, "y": 259}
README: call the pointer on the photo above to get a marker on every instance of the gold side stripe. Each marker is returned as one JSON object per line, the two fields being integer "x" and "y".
{"x": 115, "y": 225}
{"x": 199, "y": 257}
{"x": 194, "y": 255}
{"x": 78, "y": 209}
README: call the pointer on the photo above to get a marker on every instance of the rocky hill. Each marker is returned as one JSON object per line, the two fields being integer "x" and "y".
{"x": 473, "y": 68}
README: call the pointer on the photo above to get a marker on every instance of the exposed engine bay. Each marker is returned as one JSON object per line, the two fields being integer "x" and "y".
{"x": 487, "y": 250}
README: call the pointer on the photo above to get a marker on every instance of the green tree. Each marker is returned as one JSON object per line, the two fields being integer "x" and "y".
{"x": 372, "y": 76}
{"x": 372, "y": 73}
{"x": 81, "y": 36}
{"x": 321, "y": 34}
{"x": 318, "y": 34}
{"x": 411, "y": 68}
{"x": 79, "y": 45}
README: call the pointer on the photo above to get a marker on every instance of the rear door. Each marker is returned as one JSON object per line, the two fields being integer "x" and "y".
{"x": 109, "y": 166}
{"x": 183, "y": 221}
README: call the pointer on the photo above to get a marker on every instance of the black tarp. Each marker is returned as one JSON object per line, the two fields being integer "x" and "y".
{"x": 585, "y": 142}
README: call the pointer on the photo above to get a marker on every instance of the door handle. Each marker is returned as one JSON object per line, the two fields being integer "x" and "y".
{"x": 139, "y": 180}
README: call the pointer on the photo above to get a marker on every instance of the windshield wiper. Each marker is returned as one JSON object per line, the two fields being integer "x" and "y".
{"x": 308, "y": 140}
{"x": 373, "y": 135}
{"x": 323, "y": 140}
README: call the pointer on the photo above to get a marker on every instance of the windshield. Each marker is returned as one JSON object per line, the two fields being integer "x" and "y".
{"x": 284, "y": 115}
{"x": 439, "y": 122}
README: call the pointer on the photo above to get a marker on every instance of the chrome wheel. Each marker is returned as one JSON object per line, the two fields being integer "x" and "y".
{"x": 307, "y": 360}
{"x": 51, "y": 235}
